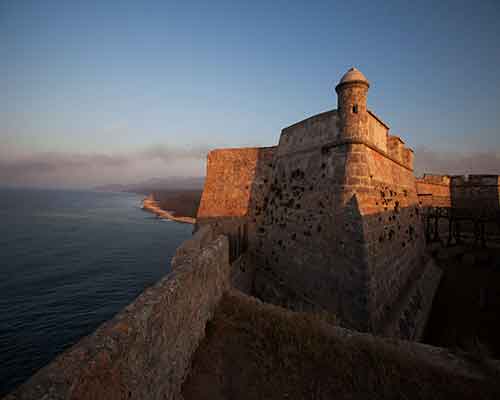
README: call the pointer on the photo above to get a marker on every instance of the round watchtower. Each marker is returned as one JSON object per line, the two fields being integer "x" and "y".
{"x": 352, "y": 91}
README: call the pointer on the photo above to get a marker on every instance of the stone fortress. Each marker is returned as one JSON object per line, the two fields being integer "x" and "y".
{"x": 332, "y": 217}
{"x": 328, "y": 221}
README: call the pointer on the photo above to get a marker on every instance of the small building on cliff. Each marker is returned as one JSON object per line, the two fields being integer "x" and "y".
{"x": 330, "y": 218}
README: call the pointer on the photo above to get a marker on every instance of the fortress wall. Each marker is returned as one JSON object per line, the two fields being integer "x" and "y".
{"x": 304, "y": 135}
{"x": 231, "y": 175}
{"x": 343, "y": 232}
{"x": 472, "y": 192}
{"x": 145, "y": 351}
{"x": 476, "y": 192}
{"x": 243, "y": 272}
{"x": 408, "y": 157}
{"x": 434, "y": 191}
{"x": 378, "y": 132}
{"x": 235, "y": 191}
{"x": 395, "y": 147}
{"x": 394, "y": 236}
{"x": 311, "y": 238}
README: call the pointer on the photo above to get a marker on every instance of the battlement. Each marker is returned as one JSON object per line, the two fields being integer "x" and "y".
{"x": 315, "y": 131}
{"x": 322, "y": 131}
{"x": 473, "y": 192}
{"x": 332, "y": 215}
{"x": 378, "y": 132}
{"x": 342, "y": 219}
{"x": 395, "y": 147}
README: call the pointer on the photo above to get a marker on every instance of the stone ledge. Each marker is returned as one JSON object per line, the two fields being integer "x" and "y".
{"x": 145, "y": 351}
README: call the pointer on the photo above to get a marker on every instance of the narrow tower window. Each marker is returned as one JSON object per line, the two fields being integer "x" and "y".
{"x": 355, "y": 108}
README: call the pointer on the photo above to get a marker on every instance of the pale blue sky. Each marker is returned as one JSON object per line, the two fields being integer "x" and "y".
{"x": 117, "y": 77}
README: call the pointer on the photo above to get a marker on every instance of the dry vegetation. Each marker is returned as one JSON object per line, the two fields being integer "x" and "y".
{"x": 259, "y": 351}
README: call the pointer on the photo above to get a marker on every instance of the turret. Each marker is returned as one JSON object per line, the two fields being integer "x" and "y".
{"x": 352, "y": 92}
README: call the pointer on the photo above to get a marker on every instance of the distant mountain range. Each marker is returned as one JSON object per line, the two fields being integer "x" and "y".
{"x": 156, "y": 184}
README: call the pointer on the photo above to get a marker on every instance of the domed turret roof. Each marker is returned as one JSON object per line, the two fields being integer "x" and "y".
{"x": 353, "y": 75}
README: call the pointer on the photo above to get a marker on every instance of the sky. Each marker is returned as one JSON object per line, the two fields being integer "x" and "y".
{"x": 102, "y": 92}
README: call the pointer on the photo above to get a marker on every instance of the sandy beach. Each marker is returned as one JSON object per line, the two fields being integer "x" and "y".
{"x": 152, "y": 206}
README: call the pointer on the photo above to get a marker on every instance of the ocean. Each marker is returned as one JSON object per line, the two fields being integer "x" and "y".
{"x": 70, "y": 260}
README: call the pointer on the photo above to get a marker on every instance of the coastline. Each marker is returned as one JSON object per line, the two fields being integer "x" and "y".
{"x": 152, "y": 206}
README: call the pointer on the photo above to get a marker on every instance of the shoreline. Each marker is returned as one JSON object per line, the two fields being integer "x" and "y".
{"x": 152, "y": 206}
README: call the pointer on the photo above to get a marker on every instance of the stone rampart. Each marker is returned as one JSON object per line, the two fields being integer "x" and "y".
{"x": 233, "y": 178}
{"x": 314, "y": 131}
{"x": 342, "y": 230}
{"x": 473, "y": 192}
{"x": 145, "y": 351}
{"x": 476, "y": 192}
{"x": 235, "y": 192}
{"x": 395, "y": 147}
{"x": 434, "y": 190}
{"x": 394, "y": 237}
{"x": 378, "y": 132}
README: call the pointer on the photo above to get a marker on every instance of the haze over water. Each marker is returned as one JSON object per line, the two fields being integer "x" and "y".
{"x": 70, "y": 260}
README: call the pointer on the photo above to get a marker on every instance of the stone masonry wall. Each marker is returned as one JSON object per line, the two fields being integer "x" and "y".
{"x": 479, "y": 192}
{"x": 317, "y": 130}
{"x": 309, "y": 257}
{"x": 394, "y": 236}
{"x": 434, "y": 191}
{"x": 377, "y": 132}
{"x": 476, "y": 192}
{"x": 145, "y": 351}
{"x": 232, "y": 177}
{"x": 235, "y": 192}
{"x": 342, "y": 229}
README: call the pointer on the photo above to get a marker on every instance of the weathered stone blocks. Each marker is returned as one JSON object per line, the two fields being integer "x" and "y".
{"x": 145, "y": 351}
{"x": 339, "y": 224}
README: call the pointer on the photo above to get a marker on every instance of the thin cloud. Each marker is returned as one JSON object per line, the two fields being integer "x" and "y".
{"x": 454, "y": 163}
{"x": 168, "y": 154}
{"x": 54, "y": 168}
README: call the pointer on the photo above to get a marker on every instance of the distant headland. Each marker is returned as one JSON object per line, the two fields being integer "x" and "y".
{"x": 152, "y": 205}
{"x": 175, "y": 198}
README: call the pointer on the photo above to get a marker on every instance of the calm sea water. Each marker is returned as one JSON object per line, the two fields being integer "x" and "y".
{"x": 69, "y": 260}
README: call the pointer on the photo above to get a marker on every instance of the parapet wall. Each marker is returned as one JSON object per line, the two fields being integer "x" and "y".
{"x": 322, "y": 130}
{"x": 394, "y": 237}
{"x": 476, "y": 192}
{"x": 234, "y": 177}
{"x": 378, "y": 132}
{"x": 145, "y": 351}
{"x": 434, "y": 190}
{"x": 307, "y": 257}
{"x": 480, "y": 192}
{"x": 342, "y": 229}
{"x": 235, "y": 192}
{"x": 317, "y": 130}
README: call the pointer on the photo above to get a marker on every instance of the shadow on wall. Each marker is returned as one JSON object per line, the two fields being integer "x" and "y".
{"x": 321, "y": 238}
{"x": 478, "y": 193}
{"x": 460, "y": 205}
{"x": 369, "y": 269}
{"x": 475, "y": 207}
